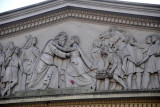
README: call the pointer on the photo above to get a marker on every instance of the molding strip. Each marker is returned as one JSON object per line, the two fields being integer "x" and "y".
{"x": 66, "y": 13}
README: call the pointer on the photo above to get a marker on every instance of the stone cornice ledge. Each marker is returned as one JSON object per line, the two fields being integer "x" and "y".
{"x": 105, "y": 5}
{"x": 79, "y": 14}
{"x": 84, "y": 96}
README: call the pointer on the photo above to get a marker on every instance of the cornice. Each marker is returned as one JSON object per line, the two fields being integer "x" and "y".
{"x": 99, "y": 11}
{"x": 61, "y": 95}
{"x": 104, "y": 5}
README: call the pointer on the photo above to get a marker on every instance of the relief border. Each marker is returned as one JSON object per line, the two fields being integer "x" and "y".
{"x": 80, "y": 14}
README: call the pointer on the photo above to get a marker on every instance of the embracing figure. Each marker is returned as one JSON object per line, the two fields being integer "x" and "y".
{"x": 46, "y": 74}
{"x": 79, "y": 67}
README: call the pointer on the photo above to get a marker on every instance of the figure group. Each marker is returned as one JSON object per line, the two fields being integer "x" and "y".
{"x": 117, "y": 60}
{"x": 121, "y": 60}
{"x": 61, "y": 64}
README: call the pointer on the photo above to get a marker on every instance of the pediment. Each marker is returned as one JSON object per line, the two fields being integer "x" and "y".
{"x": 70, "y": 48}
{"x": 105, "y": 12}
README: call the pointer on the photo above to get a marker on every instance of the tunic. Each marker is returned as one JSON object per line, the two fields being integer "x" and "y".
{"x": 137, "y": 55}
{"x": 46, "y": 75}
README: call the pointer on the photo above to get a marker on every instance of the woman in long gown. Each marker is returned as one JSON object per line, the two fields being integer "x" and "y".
{"x": 30, "y": 57}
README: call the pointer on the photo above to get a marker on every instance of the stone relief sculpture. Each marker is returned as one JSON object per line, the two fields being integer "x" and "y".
{"x": 30, "y": 56}
{"x": 99, "y": 63}
{"x": 62, "y": 63}
{"x": 116, "y": 66}
{"x": 132, "y": 57}
{"x": 79, "y": 66}
{"x": 2, "y": 69}
{"x": 9, "y": 50}
{"x": 13, "y": 64}
{"x": 8, "y": 53}
{"x": 117, "y": 62}
{"x": 46, "y": 74}
{"x": 151, "y": 60}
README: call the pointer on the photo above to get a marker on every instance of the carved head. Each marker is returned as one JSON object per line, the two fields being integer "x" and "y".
{"x": 132, "y": 41}
{"x": 154, "y": 38}
{"x": 61, "y": 38}
{"x": 104, "y": 50}
{"x": 151, "y": 39}
{"x": 75, "y": 39}
{"x": 97, "y": 43}
{"x": 111, "y": 44}
{"x": 34, "y": 40}
{"x": 126, "y": 37}
{"x": 16, "y": 50}
{"x": 10, "y": 45}
{"x": 112, "y": 47}
{"x": 105, "y": 35}
{"x": 9, "y": 49}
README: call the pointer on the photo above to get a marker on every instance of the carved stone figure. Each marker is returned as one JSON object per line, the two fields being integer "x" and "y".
{"x": 76, "y": 74}
{"x": 98, "y": 61}
{"x": 151, "y": 60}
{"x": 61, "y": 63}
{"x": 105, "y": 37}
{"x": 2, "y": 69}
{"x": 13, "y": 64}
{"x": 116, "y": 59}
{"x": 97, "y": 55}
{"x": 47, "y": 75}
{"x": 9, "y": 50}
{"x": 116, "y": 69}
{"x": 157, "y": 55}
{"x": 113, "y": 35}
{"x": 8, "y": 53}
{"x": 30, "y": 57}
{"x": 105, "y": 53}
{"x": 132, "y": 57}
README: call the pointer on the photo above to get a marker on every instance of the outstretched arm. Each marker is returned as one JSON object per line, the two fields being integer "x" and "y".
{"x": 106, "y": 65}
{"x": 21, "y": 65}
{"x": 58, "y": 52}
{"x": 7, "y": 61}
{"x": 65, "y": 49}
{"x": 131, "y": 59}
{"x": 36, "y": 52}
{"x": 114, "y": 66}
{"x": 145, "y": 59}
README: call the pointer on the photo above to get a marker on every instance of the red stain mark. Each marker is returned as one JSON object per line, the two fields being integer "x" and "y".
{"x": 72, "y": 82}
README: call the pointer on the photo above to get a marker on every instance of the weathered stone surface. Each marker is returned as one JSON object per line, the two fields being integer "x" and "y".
{"x": 79, "y": 52}
{"x": 76, "y": 94}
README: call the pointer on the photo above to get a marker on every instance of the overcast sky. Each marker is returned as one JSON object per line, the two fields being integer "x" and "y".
{"x": 6, "y": 5}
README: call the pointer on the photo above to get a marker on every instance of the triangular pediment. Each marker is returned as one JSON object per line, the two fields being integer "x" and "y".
{"x": 79, "y": 49}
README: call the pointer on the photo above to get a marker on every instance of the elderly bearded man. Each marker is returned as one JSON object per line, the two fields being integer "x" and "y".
{"x": 46, "y": 74}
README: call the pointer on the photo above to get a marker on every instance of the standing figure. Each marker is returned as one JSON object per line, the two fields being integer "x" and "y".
{"x": 8, "y": 53}
{"x": 105, "y": 53}
{"x": 131, "y": 59}
{"x": 99, "y": 62}
{"x": 30, "y": 57}
{"x": 2, "y": 69}
{"x": 116, "y": 68}
{"x": 157, "y": 55}
{"x": 13, "y": 64}
{"x": 150, "y": 60}
{"x": 47, "y": 74}
{"x": 97, "y": 55}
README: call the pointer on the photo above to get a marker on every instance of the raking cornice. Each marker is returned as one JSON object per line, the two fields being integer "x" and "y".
{"x": 49, "y": 12}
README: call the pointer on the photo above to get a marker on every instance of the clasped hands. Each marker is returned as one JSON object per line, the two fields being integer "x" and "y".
{"x": 138, "y": 64}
